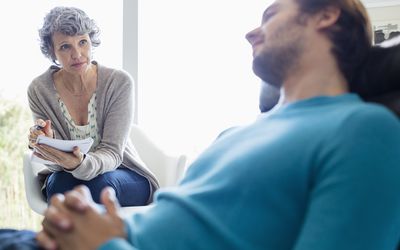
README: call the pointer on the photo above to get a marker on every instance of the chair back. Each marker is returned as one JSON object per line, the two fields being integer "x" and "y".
{"x": 168, "y": 169}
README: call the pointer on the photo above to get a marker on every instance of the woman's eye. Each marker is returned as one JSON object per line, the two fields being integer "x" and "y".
{"x": 83, "y": 42}
{"x": 64, "y": 47}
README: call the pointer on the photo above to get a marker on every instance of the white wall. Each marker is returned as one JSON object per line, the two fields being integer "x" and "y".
{"x": 384, "y": 13}
{"x": 380, "y": 3}
{"x": 384, "y": 17}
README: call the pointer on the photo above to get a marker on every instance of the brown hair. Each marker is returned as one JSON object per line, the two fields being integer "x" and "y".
{"x": 351, "y": 36}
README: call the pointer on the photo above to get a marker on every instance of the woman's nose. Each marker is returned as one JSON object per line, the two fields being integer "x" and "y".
{"x": 76, "y": 53}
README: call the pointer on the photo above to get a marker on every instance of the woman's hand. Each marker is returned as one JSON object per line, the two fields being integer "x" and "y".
{"x": 34, "y": 132}
{"x": 69, "y": 161}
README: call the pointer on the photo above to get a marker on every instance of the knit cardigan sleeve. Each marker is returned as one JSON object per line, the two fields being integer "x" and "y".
{"x": 40, "y": 110}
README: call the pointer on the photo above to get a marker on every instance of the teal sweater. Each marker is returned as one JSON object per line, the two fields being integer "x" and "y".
{"x": 322, "y": 173}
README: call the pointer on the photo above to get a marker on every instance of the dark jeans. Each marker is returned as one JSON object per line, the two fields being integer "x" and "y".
{"x": 17, "y": 240}
{"x": 131, "y": 188}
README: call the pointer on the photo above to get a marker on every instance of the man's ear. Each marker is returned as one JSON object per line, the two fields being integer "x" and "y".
{"x": 327, "y": 17}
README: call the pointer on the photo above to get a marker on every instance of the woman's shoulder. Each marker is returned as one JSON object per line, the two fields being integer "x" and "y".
{"x": 113, "y": 75}
{"x": 109, "y": 71}
{"x": 43, "y": 80}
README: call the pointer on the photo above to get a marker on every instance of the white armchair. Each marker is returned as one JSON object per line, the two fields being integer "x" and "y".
{"x": 168, "y": 169}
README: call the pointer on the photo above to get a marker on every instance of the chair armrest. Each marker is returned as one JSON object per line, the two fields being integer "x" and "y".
{"x": 32, "y": 188}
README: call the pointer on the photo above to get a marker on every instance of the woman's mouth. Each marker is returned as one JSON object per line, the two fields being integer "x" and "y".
{"x": 77, "y": 65}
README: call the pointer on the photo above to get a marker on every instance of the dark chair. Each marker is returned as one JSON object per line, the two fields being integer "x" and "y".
{"x": 379, "y": 80}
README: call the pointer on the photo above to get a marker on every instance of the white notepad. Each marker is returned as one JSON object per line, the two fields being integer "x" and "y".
{"x": 63, "y": 145}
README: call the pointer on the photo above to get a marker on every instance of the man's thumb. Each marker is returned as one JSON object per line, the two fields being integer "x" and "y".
{"x": 110, "y": 201}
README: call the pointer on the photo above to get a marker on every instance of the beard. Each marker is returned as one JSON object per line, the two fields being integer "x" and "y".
{"x": 274, "y": 64}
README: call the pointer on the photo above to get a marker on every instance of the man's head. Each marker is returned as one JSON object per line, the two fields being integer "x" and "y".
{"x": 287, "y": 30}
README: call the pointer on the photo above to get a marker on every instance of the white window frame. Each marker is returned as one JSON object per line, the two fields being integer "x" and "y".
{"x": 130, "y": 45}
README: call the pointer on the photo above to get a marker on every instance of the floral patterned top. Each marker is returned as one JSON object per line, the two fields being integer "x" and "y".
{"x": 81, "y": 132}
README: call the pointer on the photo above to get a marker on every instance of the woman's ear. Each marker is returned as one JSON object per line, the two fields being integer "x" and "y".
{"x": 327, "y": 17}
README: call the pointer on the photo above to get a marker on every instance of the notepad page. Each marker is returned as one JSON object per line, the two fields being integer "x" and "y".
{"x": 63, "y": 145}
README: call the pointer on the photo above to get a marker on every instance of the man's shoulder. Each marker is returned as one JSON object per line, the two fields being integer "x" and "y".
{"x": 373, "y": 111}
{"x": 371, "y": 120}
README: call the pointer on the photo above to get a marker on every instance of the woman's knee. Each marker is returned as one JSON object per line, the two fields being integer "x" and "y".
{"x": 131, "y": 188}
{"x": 134, "y": 190}
{"x": 60, "y": 182}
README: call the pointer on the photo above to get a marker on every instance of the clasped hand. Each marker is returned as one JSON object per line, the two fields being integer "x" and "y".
{"x": 69, "y": 161}
{"x": 74, "y": 222}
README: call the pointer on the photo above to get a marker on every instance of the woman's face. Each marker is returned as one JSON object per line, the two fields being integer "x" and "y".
{"x": 74, "y": 53}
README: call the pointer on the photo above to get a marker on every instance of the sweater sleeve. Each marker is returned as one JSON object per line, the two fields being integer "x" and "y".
{"x": 117, "y": 243}
{"x": 361, "y": 167}
{"x": 118, "y": 117}
{"x": 38, "y": 112}
{"x": 34, "y": 105}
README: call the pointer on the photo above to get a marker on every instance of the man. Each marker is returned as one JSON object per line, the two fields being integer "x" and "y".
{"x": 319, "y": 172}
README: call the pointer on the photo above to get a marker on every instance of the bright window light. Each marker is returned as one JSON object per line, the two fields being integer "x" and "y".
{"x": 195, "y": 70}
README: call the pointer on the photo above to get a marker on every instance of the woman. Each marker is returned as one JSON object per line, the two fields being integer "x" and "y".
{"x": 77, "y": 98}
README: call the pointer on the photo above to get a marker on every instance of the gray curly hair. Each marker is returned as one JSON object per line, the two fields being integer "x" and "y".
{"x": 69, "y": 21}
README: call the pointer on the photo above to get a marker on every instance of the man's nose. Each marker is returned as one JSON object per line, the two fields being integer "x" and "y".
{"x": 251, "y": 36}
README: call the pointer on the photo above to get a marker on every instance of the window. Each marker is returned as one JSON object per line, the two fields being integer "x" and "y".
{"x": 195, "y": 74}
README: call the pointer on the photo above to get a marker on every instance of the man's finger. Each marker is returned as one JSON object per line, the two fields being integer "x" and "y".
{"x": 76, "y": 201}
{"x": 85, "y": 192}
{"x": 57, "y": 214}
{"x": 109, "y": 200}
{"x": 48, "y": 227}
{"x": 45, "y": 241}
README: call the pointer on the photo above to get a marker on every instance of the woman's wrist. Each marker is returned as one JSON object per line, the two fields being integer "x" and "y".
{"x": 81, "y": 158}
